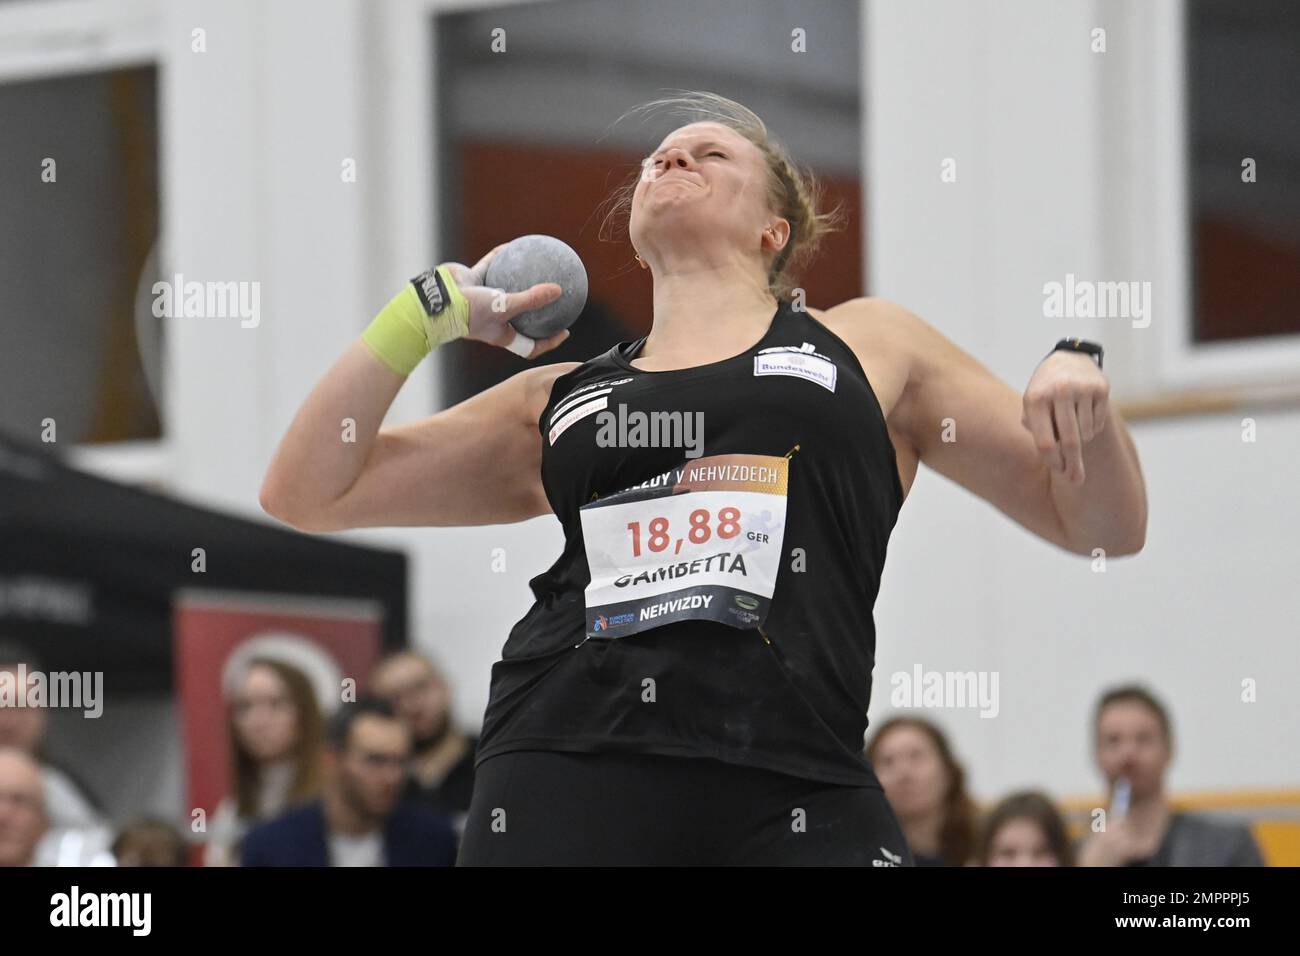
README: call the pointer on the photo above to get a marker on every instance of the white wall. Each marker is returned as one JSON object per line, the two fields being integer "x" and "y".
{"x": 1012, "y": 91}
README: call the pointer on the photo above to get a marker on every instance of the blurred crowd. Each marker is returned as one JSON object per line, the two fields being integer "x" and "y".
{"x": 381, "y": 781}
{"x": 386, "y": 781}
{"x": 1132, "y": 747}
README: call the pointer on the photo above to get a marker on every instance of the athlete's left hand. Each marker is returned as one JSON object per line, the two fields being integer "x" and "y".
{"x": 1065, "y": 408}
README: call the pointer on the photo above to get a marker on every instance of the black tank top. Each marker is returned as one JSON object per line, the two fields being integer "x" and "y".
{"x": 779, "y": 680}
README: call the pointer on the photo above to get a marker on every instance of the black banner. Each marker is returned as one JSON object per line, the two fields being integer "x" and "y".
{"x": 88, "y": 568}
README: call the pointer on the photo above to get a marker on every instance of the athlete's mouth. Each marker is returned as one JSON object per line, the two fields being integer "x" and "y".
{"x": 682, "y": 177}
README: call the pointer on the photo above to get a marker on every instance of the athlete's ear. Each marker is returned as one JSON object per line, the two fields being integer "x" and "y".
{"x": 776, "y": 235}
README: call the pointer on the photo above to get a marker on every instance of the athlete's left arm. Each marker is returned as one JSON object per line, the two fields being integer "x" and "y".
{"x": 1058, "y": 460}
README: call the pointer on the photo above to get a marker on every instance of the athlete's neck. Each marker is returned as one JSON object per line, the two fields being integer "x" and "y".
{"x": 701, "y": 316}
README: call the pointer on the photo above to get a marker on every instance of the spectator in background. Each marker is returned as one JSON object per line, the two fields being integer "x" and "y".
{"x": 275, "y": 729}
{"x": 22, "y": 807}
{"x": 1133, "y": 741}
{"x": 442, "y": 764}
{"x": 77, "y": 833}
{"x": 927, "y": 789}
{"x": 1025, "y": 829}
{"x": 361, "y": 818}
{"x": 149, "y": 843}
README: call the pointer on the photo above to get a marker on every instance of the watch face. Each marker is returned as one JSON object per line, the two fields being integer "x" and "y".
{"x": 432, "y": 293}
{"x": 1079, "y": 345}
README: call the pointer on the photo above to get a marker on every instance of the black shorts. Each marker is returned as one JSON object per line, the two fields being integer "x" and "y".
{"x": 551, "y": 808}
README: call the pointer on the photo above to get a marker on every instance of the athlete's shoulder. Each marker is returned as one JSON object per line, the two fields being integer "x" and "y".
{"x": 869, "y": 316}
{"x": 539, "y": 381}
{"x": 872, "y": 326}
{"x": 547, "y": 374}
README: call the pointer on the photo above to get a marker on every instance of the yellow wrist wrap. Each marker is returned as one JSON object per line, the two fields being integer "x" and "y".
{"x": 429, "y": 311}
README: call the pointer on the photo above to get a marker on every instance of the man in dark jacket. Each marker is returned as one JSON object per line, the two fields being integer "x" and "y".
{"x": 1134, "y": 747}
{"x": 360, "y": 818}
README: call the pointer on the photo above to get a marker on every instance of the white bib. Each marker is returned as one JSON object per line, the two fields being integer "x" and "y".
{"x": 701, "y": 541}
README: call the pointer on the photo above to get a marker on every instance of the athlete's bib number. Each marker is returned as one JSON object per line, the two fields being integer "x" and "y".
{"x": 702, "y": 541}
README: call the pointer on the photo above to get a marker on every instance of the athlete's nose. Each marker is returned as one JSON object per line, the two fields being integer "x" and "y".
{"x": 676, "y": 156}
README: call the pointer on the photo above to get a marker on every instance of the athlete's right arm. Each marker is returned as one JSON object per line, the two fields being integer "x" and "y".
{"x": 475, "y": 463}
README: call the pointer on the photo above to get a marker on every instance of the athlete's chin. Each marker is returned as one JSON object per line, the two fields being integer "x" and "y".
{"x": 673, "y": 222}
{"x": 677, "y": 213}
{"x": 676, "y": 193}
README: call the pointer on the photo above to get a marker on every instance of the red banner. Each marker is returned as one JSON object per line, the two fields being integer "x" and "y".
{"x": 328, "y": 640}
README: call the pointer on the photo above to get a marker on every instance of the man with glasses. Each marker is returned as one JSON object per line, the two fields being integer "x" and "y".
{"x": 361, "y": 818}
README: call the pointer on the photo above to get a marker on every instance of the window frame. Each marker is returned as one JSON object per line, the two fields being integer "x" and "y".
{"x": 47, "y": 39}
{"x": 1182, "y": 362}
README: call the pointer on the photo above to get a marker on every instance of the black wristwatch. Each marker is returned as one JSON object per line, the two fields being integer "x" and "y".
{"x": 1079, "y": 345}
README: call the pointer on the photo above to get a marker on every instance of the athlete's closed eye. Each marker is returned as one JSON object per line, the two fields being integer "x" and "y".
{"x": 657, "y": 158}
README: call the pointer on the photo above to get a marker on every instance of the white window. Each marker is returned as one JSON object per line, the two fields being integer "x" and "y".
{"x": 1223, "y": 109}
{"x": 79, "y": 223}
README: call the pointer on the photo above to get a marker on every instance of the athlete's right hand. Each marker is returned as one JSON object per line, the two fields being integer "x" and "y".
{"x": 490, "y": 310}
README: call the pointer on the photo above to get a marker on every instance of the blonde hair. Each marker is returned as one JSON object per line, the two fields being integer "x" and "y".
{"x": 793, "y": 192}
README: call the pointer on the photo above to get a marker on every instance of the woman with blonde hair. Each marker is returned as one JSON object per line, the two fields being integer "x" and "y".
{"x": 691, "y": 682}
